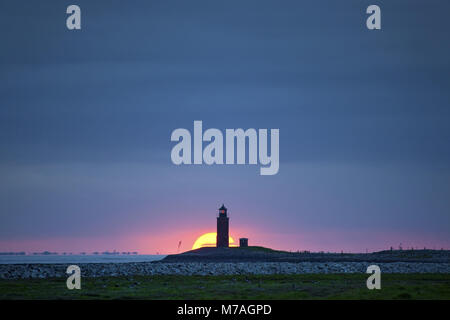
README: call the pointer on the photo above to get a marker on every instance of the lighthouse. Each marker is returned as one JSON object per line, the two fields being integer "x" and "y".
{"x": 222, "y": 228}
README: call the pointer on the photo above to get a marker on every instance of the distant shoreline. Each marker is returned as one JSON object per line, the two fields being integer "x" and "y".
{"x": 261, "y": 254}
{"x": 76, "y": 259}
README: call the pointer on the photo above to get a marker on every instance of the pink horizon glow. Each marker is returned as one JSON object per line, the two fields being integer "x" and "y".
{"x": 166, "y": 242}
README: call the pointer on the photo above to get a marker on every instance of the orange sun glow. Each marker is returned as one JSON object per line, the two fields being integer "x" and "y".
{"x": 209, "y": 240}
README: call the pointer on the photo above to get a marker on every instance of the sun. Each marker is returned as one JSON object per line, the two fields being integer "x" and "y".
{"x": 209, "y": 240}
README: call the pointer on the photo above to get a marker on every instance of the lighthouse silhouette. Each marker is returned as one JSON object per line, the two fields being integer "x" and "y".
{"x": 222, "y": 228}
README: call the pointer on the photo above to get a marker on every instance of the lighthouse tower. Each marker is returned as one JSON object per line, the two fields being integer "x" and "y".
{"x": 222, "y": 228}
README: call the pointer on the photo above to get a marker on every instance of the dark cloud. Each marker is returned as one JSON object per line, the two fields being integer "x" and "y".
{"x": 111, "y": 94}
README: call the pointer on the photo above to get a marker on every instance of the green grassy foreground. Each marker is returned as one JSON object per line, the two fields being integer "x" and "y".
{"x": 308, "y": 286}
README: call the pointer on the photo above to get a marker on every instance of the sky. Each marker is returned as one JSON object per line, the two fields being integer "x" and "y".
{"x": 86, "y": 118}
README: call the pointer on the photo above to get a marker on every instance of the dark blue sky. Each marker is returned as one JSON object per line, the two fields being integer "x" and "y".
{"x": 86, "y": 118}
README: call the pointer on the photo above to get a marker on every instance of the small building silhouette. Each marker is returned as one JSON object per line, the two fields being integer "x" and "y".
{"x": 243, "y": 242}
{"x": 222, "y": 228}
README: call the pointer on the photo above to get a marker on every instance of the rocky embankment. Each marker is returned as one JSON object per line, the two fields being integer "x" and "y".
{"x": 251, "y": 260}
{"x": 24, "y": 271}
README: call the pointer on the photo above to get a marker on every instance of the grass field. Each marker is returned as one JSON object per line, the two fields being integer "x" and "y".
{"x": 309, "y": 286}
